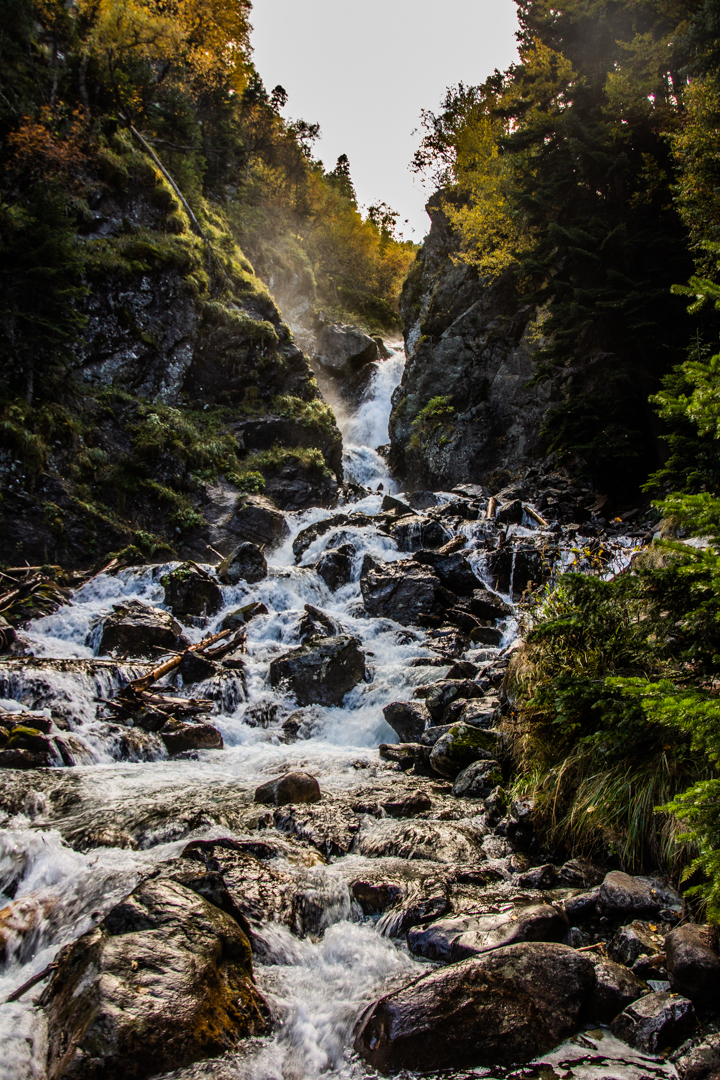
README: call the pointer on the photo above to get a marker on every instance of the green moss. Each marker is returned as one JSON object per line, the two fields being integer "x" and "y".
{"x": 239, "y": 322}
{"x": 312, "y": 414}
{"x": 437, "y": 414}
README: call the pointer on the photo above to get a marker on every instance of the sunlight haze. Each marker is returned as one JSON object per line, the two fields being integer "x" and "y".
{"x": 365, "y": 73}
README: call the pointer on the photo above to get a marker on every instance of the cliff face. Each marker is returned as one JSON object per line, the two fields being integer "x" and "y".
{"x": 185, "y": 393}
{"x": 464, "y": 412}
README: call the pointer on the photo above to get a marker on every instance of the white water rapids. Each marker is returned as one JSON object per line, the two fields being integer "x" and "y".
{"x": 318, "y": 984}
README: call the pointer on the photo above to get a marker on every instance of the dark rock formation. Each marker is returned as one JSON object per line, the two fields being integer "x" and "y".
{"x": 501, "y": 1009}
{"x": 478, "y": 780}
{"x": 256, "y": 520}
{"x": 294, "y": 787}
{"x": 245, "y": 563}
{"x": 693, "y": 964}
{"x": 180, "y": 736}
{"x": 615, "y": 988}
{"x": 190, "y": 590}
{"x": 335, "y": 566}
{"x": 469, "y": 344}
{"x": 135, "y": 629}
{"x": 655, "y": 1022}
{"x": 321, "y": 673}
{"x": 460, "y": 938}
{"x": 401, "y": 591}
{"x": 621, "y": 895}
{"x": 460, "y": 746}
{"x": 163, "y": 981}
{"x": 408, "y": 719}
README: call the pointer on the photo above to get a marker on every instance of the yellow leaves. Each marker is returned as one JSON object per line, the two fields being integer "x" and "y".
{"x": 131, "y": 29}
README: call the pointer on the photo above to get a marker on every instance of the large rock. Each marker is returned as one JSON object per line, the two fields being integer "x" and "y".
{"x": 655, "y": 1022}
{"x": 136, "y": 629}
{"x": 478, "y": 781}
{"x": 699, "y": 1061}
{"x": 180, "y": 737}
{"x": 190, "y": 590}
{"x": 453, "y": 570}
{"x": 317, "y": 624}
{"x": 693, "y": 964}
{"x": 164, "y": 980}
{"x": 408, "y": 719}
{"x": 321, "y": 673}
{"x": 294, "y": 787}
{"x": 460, "y": 938}
{"x": 485, "y": 604}
{"x": 440, "y": 694}
{"x": 461, "y": 746}
{"x": 416, "y": 532}
{"x": 621, "y": 895}
{"x": 256, "y": 520}
{"x": 500, "y": 1009}
{"x": 401, "y": 591}
{"x": 335, "y": 566}
{"x": 616, "y": 987}
{"x": 343, "y": 349}
{"x": 245, "y": 563}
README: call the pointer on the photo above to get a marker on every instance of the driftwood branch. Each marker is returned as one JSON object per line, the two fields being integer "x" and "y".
{"x": 16, "y": 994}
{"x": 534, "y": 514}
{"x": 491, "y": 508}
{"x": 144, "y": 681}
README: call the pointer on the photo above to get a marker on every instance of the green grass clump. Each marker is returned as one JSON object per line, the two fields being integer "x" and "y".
{"x": 437, "y": 415}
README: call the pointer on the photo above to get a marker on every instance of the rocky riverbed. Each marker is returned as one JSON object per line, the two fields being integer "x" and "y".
{"x": 298, "y": 853}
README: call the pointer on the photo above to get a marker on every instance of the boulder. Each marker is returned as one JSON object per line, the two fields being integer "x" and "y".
{"x": 510, "y": 513}
{"x": 343, "y": 349}
{"x": 621, "y": 895}
{"x": 163, "y": 981}
{"x": 245, "y": 563}
{"x": 408, "y": 805}
{"x": 8, "y": 634}
{"x": 615, "y": 988}
{"x": 135, "y": 629}
{"x": 335, "y": 566}
{"x": 256, "y": 520}
{"x": 191, "y": 591}
{"x": 321, "y": 673}
{"x": 461, "y": 746}
{"x": 632, "y": 941}
{"x": 407, "y": 756}
{"x": 539, "y": 877}
{"x": 317, "y": 624}
{"x": 401, "y": 591}
{"x": 693, "y": 964}
{"x": 294, "y": 787}
{"x": 180, "y": 736}
{"x": 440, "y": 694}
{"x": 460, "y": 938}
{"x": 395, "y": 506}
{"x": 309, "y": 535}
{"x": 698, "y": 1061}
{"x": 237, "y": 618}
{"x": 418, "y": 531}
{"x": 478, "y": 781}
{"x": 503, "y": 1008}
{"x": 423, "y": 500}
{"x": 486, "y": 635}
{"x": 453, "y": 570}
{"x": 479, "y": 712}
{"x": 195, "y": 668}
{"x": 485, "y": 604}
{"x": 655, "y": 1022}
{"x": 408, "y": 719}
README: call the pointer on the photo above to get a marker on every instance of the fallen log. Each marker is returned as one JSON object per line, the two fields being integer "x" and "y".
{"x": 534, "y": 514}
{"x": 167, "y": 665}
{"x": 491, "y": 509}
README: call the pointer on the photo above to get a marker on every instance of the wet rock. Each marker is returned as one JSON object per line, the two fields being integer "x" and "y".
{"x": 316, "y": 624}
{"x": 163, "y": 981}
{"x": 615, "y": 988}
{"x": 500, "y": 1009}
{"x": 8, "y": 635}
{"x": 408, "y": 719}
{"x": 335, "y": 566}
{"x": 463, "y": 669}
{"x": 179, "y": 737}
{"x": 423, "y": 500}
{"x": 409, "y": 806}
{"x": 190, "y": 590}
{"x": 440, "y": 694}
{"x": 135, "y": 629}
{"x": 458, "y": 939}
{"x": 582, "y": 907}
{"x": 652, "y": 968}
{"x": 478, "y": 781}
{"x": 20, "y": 758}
{"x": 401, "y": 591}
{"x": 322, "y": 672}
{"x": 447, "y": 842}
{"x": 580, "y": 873}
{"x": 693, "y": 964}
{"x": 245, "y": 563}
{"x": 480, "y": 713}
{"x": 426, "y": 898}
{"x": 485, "y": 604}
{"x": 699, "y": 1060}
{"x": 655, "y": 1022}
{"x": 256, "y": 520}
{"x": 194, "y": 668}
{"x": 487, "y": 635}
{"x": 242, "y": 615}
{"x": 431, "y": 734}
{"x": 414, "y": 533}
{"x": 374, "y": 897}
{"x": 407, "y": 756}
{"x": 343, "y": 349}
{"x": 328, "y": 826}
{"x": 309, "y": 535}
{"x": 461, "y": 746}
{"x": 294, "y": 787}
{"x": 621, "y": 895}
{"x": 510, "y": 513}
{"x": 453, "y": 570}
{"x": 396, "y": 506}
{"x": 540, "y": 877}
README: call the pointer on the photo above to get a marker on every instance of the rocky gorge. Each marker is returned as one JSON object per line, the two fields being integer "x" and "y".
{"x": 296, "y": 849}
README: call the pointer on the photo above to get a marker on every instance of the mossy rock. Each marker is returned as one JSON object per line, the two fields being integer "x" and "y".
{"x": 461, "y": 746}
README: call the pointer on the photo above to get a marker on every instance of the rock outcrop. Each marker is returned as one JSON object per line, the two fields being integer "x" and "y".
{"x": 469, "y": 344}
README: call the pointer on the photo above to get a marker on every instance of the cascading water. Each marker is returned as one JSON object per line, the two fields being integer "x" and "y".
{"x": 77, "y": 840}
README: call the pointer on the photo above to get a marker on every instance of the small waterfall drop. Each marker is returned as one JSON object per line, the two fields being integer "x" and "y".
{"x": 367, "y": 429}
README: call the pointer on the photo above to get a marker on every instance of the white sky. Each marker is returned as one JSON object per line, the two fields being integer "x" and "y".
{"x": 365, "y": 70}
